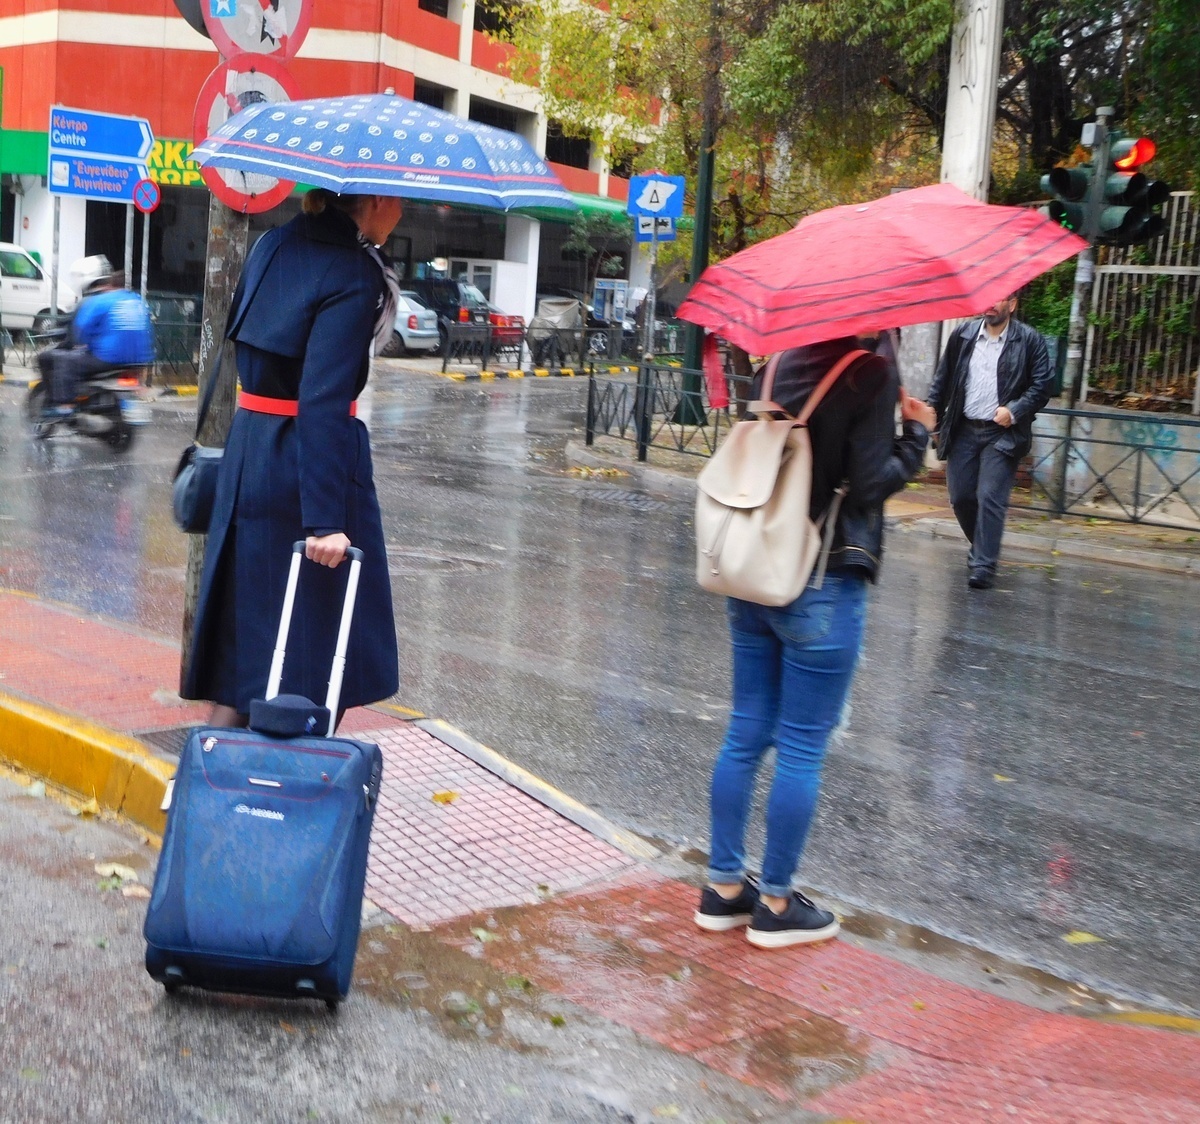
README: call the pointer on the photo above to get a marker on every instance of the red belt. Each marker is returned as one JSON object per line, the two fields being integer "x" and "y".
{"x": 283, "y": 407}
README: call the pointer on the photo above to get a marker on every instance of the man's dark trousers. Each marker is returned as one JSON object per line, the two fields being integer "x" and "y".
{"x": 979, "y": 478}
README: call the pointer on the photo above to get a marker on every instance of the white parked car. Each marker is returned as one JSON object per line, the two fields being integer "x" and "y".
{"x": 416, "y": 327}
{"x": 25, "y": 291}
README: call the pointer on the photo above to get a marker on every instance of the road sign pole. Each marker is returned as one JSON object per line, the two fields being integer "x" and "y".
{"x": 651, "y": 297}
{"x": 129, "y": 245}
{"x": 145, "y": 252}
{"x": 228, "y": 235}
{"x": 54, "y": 260}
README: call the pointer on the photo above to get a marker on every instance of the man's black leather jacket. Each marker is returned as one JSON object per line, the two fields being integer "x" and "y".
{"x": 1023, "y": 374}
{"x": 854, "y": 442}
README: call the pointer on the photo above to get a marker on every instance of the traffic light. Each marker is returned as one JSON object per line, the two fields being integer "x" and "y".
{"x": 1121, "y": 210}
{"x": 1070, "y": 188}
{"x": 1130, "y": 196}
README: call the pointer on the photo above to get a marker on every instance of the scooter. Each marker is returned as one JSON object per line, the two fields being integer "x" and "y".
{"x": 108, "y": 406}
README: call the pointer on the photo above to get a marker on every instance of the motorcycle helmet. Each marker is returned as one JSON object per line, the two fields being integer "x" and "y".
{"x": 89, "y": 274}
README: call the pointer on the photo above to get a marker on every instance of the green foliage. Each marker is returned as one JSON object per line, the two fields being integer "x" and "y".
{"x": 1045, "y": 303}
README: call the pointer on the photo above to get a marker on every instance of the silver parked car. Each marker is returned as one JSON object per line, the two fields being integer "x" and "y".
{"x": 416, "y": 327}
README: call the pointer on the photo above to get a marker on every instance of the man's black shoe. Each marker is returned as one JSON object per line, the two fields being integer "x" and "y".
{"x": 801, "y": 923}
{"x": 981, "y": 580}
{"x": 719, "y": 915}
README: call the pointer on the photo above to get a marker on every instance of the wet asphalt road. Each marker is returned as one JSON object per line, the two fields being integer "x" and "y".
{"x": 1020, "y": 765}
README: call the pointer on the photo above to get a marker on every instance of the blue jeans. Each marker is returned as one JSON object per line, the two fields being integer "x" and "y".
{"x": 792, "y": 669}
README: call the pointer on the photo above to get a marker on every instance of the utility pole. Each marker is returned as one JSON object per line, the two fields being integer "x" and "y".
{"x": 1085, "y": 263}
{"x": 1085, "y": 272}
{"x": 228, "y": 235}
{"x": 690, "y": 410}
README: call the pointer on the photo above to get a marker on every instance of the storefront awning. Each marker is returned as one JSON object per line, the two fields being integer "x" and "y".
{"x": 588, "y": 205}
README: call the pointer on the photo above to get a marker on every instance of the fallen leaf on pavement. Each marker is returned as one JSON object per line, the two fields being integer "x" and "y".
{"x": 483, "y": 935}
{"x": 445, "y": 797}
{"x": 918, "y": 1005}
{"x": 1001, "y": 778}
{"x": 1077, "y": 936}
{"x": 116, "y": 870}
{"x": 557, "y": 1020}
{"x": 287, "y": 1026}
{"x": 91, "y": 808}
{"x": 136, "y": 890}
{"x": 666, "y": 1110}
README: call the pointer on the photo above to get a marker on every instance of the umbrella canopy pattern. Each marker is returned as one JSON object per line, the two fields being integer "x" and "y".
{"x": 932, "y": 253}
{"x": 385, "y": 145}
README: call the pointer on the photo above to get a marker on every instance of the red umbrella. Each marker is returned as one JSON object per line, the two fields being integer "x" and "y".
{"x": 928, "y": 254}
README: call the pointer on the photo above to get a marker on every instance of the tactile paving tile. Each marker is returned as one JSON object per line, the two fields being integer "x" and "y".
{"x": 490, "y": 846}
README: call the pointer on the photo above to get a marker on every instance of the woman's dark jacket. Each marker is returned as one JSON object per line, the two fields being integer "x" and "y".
{"x": 853, "y": 433}
{"x": 302, "y": 318}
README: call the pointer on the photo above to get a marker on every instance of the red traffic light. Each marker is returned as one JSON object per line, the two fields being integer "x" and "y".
{"x": 1128, "y": 154}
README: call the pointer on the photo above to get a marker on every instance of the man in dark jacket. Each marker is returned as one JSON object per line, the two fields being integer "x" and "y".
{"x": 993, "y": 377}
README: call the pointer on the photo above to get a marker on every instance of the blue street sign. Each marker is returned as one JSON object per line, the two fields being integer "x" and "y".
{"x": 647, "y": 229}
{"x": 655, "y": 195}
{"x": 95, "y": 177}
{"x": 97, "y": 155}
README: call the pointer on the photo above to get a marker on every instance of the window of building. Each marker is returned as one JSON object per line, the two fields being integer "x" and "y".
{"x": 429, "y": 94}
{"x": 437, "y": 7}
{"x": 493, "y": 16}
{"x": 498, "y": 116}
{"x": 575, "y": 152}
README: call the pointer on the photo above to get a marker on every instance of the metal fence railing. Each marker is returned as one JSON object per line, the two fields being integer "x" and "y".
{"x": 1130, "y": 467}
{"x": 1120, "y": 465}
{"x": 541, "y": 347}
{"x": 661, "y": 406}
{"x": 177, "y": 346}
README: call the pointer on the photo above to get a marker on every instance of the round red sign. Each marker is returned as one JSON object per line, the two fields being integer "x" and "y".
{"x": 146, "y": 196}
{"x": 258, "y": 27}
{"x": 243, "y": 80}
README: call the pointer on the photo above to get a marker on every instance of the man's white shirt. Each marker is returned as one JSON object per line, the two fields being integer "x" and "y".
{"x": 983, "y": 391}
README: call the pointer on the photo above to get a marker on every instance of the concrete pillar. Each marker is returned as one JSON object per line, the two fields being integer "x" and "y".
{"x": 971, "y": 97}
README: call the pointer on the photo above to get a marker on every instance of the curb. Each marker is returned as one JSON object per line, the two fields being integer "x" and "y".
{"x": 92, "y": 761}
{"x": 554, "y": 799}
{"x": 645, "y": 475}
{"x": 537, "y": 372}
{"x": 1064, "y": 546}
{"x": 1068, "y": 546}
{"x": 87, "y": 759}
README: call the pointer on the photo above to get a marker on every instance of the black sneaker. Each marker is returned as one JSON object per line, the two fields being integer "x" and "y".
{"x": 801, "y": 923}
{"x": 981, "y": 579}
{"x": 718, "y": 915}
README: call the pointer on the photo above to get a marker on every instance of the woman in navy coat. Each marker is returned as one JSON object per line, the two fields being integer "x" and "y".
{"x": 297, "y": 465}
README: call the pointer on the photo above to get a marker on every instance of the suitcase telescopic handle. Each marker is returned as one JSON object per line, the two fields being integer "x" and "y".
{"x": 343, "y": 638}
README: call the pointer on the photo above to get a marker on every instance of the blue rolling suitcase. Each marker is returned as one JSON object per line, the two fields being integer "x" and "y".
{"x": 260, "y": 882}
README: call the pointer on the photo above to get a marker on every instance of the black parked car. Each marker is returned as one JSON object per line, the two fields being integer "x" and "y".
{"x": 455, "y": 302}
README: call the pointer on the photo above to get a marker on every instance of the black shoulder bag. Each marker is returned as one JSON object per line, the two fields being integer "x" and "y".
{"x": 195, "y": 480}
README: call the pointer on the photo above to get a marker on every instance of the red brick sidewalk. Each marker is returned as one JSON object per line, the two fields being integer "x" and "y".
{"x": 834, "y": 1030}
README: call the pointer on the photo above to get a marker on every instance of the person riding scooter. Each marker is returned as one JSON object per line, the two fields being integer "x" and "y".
{"x": 110, "y": 329}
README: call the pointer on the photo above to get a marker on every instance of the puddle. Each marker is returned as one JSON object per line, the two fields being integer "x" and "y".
{"x": 468, "y": 997}
{"x": 974, "y": 967}
{"x": 802, "y": 1059}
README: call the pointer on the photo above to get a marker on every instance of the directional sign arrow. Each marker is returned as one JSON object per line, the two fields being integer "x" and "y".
{"x": 84, "y": 132}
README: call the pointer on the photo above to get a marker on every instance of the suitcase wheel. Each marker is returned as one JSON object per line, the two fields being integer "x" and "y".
{"x": 332, "y": 1004}
{"x": 172, "y": 978}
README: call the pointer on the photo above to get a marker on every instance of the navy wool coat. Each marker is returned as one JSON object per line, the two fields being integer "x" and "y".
{"x": 302, "y": 319}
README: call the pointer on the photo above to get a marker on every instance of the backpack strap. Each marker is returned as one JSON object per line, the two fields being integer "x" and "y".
{"x": 766, "y": 404}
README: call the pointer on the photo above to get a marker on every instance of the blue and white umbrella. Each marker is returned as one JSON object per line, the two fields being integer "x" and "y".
{"x": 386, "y": 145}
